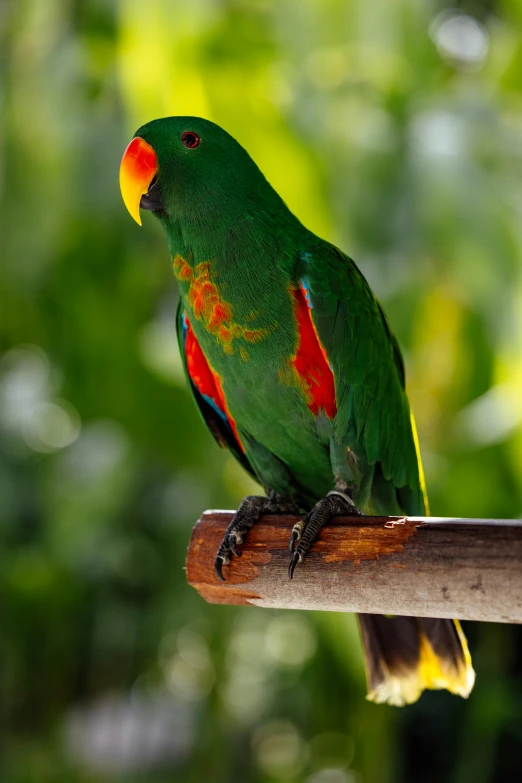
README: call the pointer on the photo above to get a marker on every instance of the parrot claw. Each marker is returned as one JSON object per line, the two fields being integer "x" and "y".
{"x": 293, "y": 540}
{"x": 293, "y": 562}
{"x": 305, "y": 531}
{"x": 218, "y": 567}
{"x": 245, "y": 517}
{"x": 297, "y": 532}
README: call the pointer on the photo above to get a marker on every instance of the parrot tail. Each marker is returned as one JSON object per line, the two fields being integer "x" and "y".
{"x": 405, "y": 655}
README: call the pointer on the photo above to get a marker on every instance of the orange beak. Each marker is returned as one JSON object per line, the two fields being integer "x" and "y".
{"x": 137, "y": 170}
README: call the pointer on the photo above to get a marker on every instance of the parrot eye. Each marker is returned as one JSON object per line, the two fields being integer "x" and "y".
{"x": 190, "y": 139}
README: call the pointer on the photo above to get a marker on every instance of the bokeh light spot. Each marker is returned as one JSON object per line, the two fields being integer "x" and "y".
{"x": 280, "y": 750}
{"x": 460, "y": 39}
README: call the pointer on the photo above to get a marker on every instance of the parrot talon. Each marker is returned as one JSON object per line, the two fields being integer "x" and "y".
{"x": 306, "y": 530}
{"x": 297, "y": 532}
{"x": 293, "y": 540}
{"x": 233, "y": 546}
{"x": 218, "y": 567}
{"x": 293, "y": 562}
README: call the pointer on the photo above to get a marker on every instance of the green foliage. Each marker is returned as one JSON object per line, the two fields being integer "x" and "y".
{"x": 393, "y": 130}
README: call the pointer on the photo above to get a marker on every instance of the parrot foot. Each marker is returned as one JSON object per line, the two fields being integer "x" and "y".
{"x": 304, "y": 532}
{"x": 249, "y": 511}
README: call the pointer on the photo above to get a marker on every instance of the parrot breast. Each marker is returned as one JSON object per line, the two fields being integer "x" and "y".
{"x": 209, "y": 306}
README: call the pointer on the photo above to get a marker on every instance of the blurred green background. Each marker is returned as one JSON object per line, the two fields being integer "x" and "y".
{"x": 394, "y": 129}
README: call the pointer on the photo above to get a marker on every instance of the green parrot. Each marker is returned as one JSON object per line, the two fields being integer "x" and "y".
{"x": 293, "y": 366}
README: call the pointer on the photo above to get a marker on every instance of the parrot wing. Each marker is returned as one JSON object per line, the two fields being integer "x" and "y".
{"x": 372, "y": 410}
{"x": 207, "y": 392}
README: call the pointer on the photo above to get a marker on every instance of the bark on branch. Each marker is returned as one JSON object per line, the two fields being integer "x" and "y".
{"x": 469, "y": 569}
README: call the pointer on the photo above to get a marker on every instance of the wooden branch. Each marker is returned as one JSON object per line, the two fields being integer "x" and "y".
{"x": 426, "y": 566}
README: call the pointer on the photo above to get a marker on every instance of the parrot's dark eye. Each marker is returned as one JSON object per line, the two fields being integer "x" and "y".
{"x": 190, "y": 139}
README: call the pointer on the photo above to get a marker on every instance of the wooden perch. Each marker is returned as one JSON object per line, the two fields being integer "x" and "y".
{"x": 426, "y": 566}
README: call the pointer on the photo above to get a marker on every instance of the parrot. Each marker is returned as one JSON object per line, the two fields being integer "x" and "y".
{"x": 294, "y": 368}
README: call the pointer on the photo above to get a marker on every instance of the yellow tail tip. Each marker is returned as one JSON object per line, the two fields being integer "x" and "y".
{"x": 432, "y": 672}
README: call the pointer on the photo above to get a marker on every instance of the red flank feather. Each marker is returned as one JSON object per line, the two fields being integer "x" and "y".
{"x": 206, "y": 381}
{"x": 311, "y": 362}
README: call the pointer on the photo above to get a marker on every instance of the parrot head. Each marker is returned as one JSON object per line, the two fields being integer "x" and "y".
{"x": 179, "y": 166}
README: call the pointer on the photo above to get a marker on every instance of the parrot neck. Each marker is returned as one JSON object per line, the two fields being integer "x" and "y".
{"x": 244, "y": 252}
